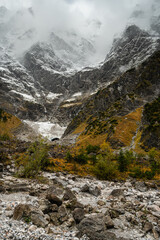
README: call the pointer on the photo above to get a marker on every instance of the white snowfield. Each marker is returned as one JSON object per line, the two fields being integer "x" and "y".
{"x": 47, "y": 129}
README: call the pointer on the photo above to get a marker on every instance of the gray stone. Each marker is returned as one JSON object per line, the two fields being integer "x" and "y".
{"x": 85, "y": 188}
{"x": 117, "y": 192}
{"x": 148, "y": 227}
{"x": 108, "y": 222}
{"x": 94, "y": 227}
{"x": 78, "y": 215}
{"x": 140, "y": 186}
{"x": 68, "y": 195}
{"x": 96, "y": 191}
{"x": 21, "y": 210}
{"x": 151, "y": 185}
{"x": 54, "y": 199}
{"x": 30, "y": 213}
{"x": 62, "y": 214}
{"x": 54, "y": 218}
{"x": 19, "y": 187}
{"x": 73, "y": 204}
{"x": 156, "y": 233}
{"x": 32, "y": 228}
{"x": 38, "y": 220}
{"x": 46, "y": 206}
{"x": 115, "y": 212}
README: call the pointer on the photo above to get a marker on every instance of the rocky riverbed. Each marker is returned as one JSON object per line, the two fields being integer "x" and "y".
{"x": 73, "y": 208}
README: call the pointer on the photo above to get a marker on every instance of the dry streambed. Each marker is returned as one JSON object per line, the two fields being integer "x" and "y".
{"x": 69, "y": 207}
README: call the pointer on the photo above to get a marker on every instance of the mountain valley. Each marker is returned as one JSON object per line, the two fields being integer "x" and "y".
{"x": 79, "y": 138}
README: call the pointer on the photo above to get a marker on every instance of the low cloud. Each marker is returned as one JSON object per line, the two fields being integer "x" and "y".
{"x": 92, "y": 19}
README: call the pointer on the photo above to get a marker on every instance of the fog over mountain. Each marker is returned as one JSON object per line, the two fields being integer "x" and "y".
{"x": 96, "y": 21}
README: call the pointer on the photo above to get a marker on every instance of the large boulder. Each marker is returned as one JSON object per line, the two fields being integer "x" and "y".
{"x": 60, "y": 216}
{"x": 21, "y": 211}
{"x": 74, "y": 204}
{"x": 54, "y": 199}
{"x": 94, "y": 190}
{"x": 38, "y": 219}
{"x": 28, "y": 212}
{"x": 117, "y": 192}
{"x": 85, "y": 188}
{"x": 68, "y": 195}
{"x": 94, "y": 227}
{"x": 140, "y": 186}
{"x": 45, "y": 206}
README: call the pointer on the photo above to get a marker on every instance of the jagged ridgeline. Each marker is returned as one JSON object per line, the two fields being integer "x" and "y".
{"x": 126, "y": 113}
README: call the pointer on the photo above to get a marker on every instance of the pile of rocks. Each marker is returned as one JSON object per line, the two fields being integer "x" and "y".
{"x": 70, "y": 207}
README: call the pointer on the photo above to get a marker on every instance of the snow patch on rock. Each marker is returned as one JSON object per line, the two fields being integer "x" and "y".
{"x": 47, "y": 129}
{"x": 52, "y": 96}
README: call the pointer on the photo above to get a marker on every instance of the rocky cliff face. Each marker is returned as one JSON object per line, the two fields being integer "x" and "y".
{"x": 18, "y": 89}
{"x": 104, "y": 111}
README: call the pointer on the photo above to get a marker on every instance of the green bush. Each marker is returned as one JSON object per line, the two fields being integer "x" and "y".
{"x": 81, "y": 158}
{"x": 35, "y": 159}
{"x": 138, "y": 173}
{"x": 130, "y": 156}
{"x": 4, "y": 137}
{"x": 105, "y": 169}
{"x": 3, "y": 157}
{"x": 92, "y": 159}
{"x": 69, "y": 157}
{"x": 154, "y": 159}
{"x": 149, "y": 174}
{"x": 123, "y": 162}
{"x": 92, "y": 149}
{"x": 152, "y": 154}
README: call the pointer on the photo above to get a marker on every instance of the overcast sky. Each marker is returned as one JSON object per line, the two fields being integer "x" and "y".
{"x": 104, "y": 18}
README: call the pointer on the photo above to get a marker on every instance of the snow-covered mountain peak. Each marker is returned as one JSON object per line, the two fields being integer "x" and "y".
{"x": 20, "y": 33}
{"x": 147, "y": 16}
{"x": 134, "y": 31}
